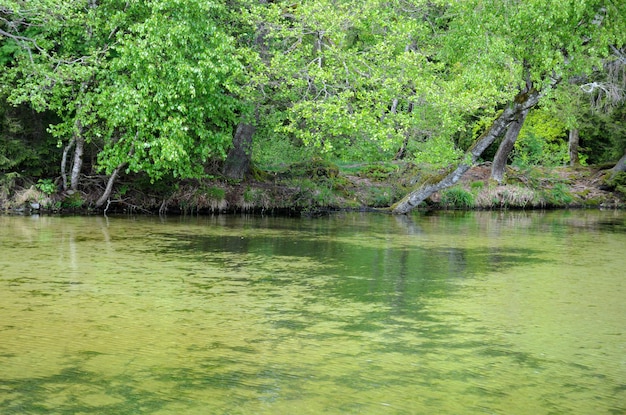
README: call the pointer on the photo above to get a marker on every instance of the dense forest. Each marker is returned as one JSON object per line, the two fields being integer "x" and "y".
{"x": 174, "y": 103}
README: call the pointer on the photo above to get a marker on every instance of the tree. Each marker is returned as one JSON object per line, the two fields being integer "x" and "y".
{"x": 153, "y": 84}
{"x": 573, "y": 143}
{"x": 525, "y": 46}
{"x": 498, "y": 166}
{"x": 522, "y": 103}
{"x": 62, "y": 48}
{"x": 169, "y": 95}
{"x": 353, "y": 79}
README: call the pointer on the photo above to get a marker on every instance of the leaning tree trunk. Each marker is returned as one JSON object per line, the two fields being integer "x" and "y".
{"x": 109, "y": 187}
{"x": 573, "y": 143}
{"x": 238, "y": 161}
{"x": 522, "y": 102}
{"x": 506, "y": 146}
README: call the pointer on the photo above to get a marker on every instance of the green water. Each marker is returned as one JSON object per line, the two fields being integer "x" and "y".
{"x": 472, "y": 313}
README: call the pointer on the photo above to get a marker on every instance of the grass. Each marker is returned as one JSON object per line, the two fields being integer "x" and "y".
{"x": 457, "y": 198}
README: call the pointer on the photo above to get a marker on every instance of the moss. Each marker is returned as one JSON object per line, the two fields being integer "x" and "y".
{"x": 260, "y": 175}
{"x": 616, "y": 182}
{"x": 314, "y": 169}
{"x": 379, "y": 172}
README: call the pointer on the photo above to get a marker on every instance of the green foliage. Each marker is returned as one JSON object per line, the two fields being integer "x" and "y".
{"x": 47, "y": 186}
{"x": 533, "y": 150}
{"x": 603, "y": 134}
{"x": 379, "y": 172}
{"x": 477, "y": 185}
{"x": 381, "y": 196}
{"x": 457, "y": 197}
{"x": 542, "y": 141}
{"x": 157, "y": 86}
{"x": 170, "y": 98}
{"x": 349, "y": 76}
{"x": 437, "y": 152}
{"x": 558, "y": 195}
{"x": 214, "y": 193}
{"x": 25, "y": 148}
{"x": 73, "y": 201}
{"x": 272, "y": 150}
{"x": 153, "y": 84}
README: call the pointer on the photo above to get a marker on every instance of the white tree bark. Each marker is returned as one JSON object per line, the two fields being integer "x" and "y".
{"x": 66, "y": 150}
{"x": 78, "y": 157}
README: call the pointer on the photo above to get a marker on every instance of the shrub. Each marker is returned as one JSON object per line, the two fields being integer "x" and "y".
{"x": 457, "y": 198}
{"x": 47, "y": 186}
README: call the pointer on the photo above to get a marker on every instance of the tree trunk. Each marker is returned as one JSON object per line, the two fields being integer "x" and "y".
{"x": 78, "y": 156}
{"x": 109, "y": 187}
{"x": 573, "y": 142}
{"x": 66, "y": 150}
{"x": 238, "y": 161}
{"x": 401, "y": 153}
{"x": 522, "y": 102}
{"x": 619, "y": 167}
{"x": 498, "y": 167}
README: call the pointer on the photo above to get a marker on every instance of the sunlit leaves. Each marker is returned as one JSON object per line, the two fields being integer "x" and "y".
{"x": 169, "y": 92}
{"x": 352, "y": 75}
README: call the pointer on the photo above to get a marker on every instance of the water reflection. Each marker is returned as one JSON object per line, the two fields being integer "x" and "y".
{"x": 485, "y": 312}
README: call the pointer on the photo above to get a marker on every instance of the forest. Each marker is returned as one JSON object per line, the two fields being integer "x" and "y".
{"x": 226, "y": 105}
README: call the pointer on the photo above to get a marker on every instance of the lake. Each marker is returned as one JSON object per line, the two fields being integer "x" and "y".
{"x": 447, "y": 313}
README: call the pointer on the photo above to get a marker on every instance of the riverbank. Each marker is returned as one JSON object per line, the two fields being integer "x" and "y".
{"x": 318, "y": 186}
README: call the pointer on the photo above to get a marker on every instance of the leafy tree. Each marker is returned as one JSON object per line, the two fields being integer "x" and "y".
{"x": 542, "y": 140}
{"x": 169, "y": 95}
{"x": 63, "y": 46}
{"x": 153, "y": 84}
{"x": 521, "y": 50}
{"x": 353, "y": 79}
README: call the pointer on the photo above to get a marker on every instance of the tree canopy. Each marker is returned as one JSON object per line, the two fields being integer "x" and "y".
{"x": 158, "y": 87}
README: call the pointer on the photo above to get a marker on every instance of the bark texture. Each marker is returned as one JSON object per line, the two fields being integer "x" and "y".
{"x": 620, "y": 166}
{"x": 66, "y": 151}
{"x": 522, "y": 102}
{"x": 79, "y": 150}
{"x": 498, "y": 168}
{"x": 238, "y": 161}
{"x": 573, "y": 142}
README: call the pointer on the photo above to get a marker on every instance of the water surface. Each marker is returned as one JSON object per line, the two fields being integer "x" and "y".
{"x": 452, "y": 313}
